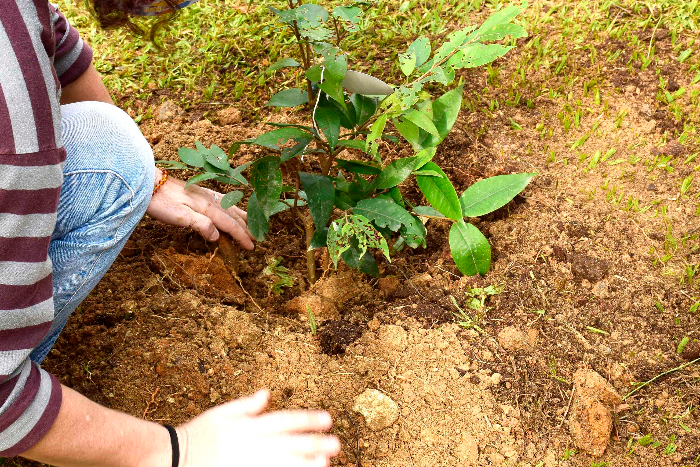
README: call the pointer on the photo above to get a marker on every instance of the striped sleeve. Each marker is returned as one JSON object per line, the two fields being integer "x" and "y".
{"x": 73, "y": 55}
{"x": 31, "y": 159}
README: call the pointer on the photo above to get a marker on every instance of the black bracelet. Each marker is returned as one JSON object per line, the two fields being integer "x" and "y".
{"x": 175, "y": 445}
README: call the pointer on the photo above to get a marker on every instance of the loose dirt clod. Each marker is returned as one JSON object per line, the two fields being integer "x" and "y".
{"x": 229, "y": 116}
{"x": 378, "y": 409}
{"x": 591, "y": 419}
{"x": 512, "y": 338}
{"x": 167, "y": 111}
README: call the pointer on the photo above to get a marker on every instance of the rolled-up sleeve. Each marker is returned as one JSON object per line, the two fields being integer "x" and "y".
{"x": 73, "y": 55}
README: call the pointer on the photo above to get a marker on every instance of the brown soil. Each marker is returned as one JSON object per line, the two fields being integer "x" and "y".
{"x": 170, "y": 332}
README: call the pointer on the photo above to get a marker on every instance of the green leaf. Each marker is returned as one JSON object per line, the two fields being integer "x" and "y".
{"x": 343, "y": 230}
{"x": 427, "y": 211}
{"x": 497, "y": 26}
{"x": 234, "y": 174}
{"x": 384, "y": 213}
{"x": 354, "y": 258}
{"x": 424, "y": 156}
{"x": 328, "y": 120}
{"x": 320, "y": 194}
{"x": 319, "y": 239}
{"x": 470, "y": 249}
{"x": 440, "y": 193}
{"x": 266, "y": 179}
{"x": 414, "y": 234}
{"x": 396, "y": 172}
{"x": 288, "y": 98}
{"x": 407, "y": 63}
{"x": 336, "y": 66}
{"x": 191, "y": 157}
{"x": 477, "y": 54}
{"x": 283, "y": 63}
{"x": 200, "y": 178}
{"x": 313, "y": 14}
{"x": 314, "y": 74}
{"x": 230, "y": 199}
{"x": 218, "y": 158}
{"x": 365, "y": 107}
{"x": 353, "y": 143}
{"x": 445, "y": 111}
{"x": 258, "y": 223}
{"x": 272, "y": 139}
{"x": 421, "y": 49}
{"x": 421, "y": 120}
{"x": 297, "y": 149}
{"x": 358, "y": 167}
{"x": 332, "y": 87}
{"x": 177, "y": 165}
{"x": 375, "y": 132}
{"x": 410, "y": 132}
{"x": 487, "y": 195}
{"x": 348, "y": 13}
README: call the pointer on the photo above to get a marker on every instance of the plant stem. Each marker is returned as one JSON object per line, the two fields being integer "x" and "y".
{"x": 310, "y": 255}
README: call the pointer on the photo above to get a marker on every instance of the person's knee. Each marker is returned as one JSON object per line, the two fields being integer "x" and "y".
{"x": 101, "y": 137}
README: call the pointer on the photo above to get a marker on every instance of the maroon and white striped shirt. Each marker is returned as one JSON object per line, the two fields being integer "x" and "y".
{"x": 39, "y": 53}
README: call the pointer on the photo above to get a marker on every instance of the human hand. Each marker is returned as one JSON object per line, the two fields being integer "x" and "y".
{"x": 238, "y": 434}
{"x": 200, "y": 209}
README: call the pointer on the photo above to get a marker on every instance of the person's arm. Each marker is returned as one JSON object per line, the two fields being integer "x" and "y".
{"x": 88, "y": 87}
{"x": 234, "y": 434}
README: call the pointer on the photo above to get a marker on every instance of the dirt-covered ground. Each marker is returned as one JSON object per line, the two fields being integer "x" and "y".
{"x": 594, "y": 263}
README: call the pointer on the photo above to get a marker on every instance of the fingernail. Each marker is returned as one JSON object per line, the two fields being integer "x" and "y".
{"x": 325, "y": 418}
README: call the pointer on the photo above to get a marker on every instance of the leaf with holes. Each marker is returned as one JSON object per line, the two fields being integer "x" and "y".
{"x": 343, "y": 230}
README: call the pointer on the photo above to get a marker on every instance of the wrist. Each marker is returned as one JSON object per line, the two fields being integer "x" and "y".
{"x": 183, "y": 440}
{"x": 158, "y": 177}
{"x": 160, "y": 452}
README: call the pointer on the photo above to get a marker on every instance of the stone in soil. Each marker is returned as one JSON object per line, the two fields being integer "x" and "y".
{"x": 378, "y": 409}
{"x": 591, "y": 421}
{"x": 511, "y": 339}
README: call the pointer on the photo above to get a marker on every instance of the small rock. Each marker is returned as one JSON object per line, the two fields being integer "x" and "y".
{"x": 167, "y": 111}
{"x": 374, "y": 324}
{"x": 378, "y": 409}
{"x": 600, "y": 289}
{"x": 591, "y": 419}
{"x": 512, "y": 338}
{"x": 229, "y": 116}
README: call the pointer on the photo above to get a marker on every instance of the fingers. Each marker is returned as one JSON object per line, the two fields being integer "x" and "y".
{"x": 204, "y": 225}
{"x": 293, "y": 421}
{"x": 222, "y": 219}
{"x": 246, "y": 406}
{"x": 231, "y": 220}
